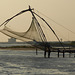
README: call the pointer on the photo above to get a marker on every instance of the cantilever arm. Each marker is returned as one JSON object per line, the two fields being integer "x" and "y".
{"x": 18, "y": 14}
{"x": 5, "y": 22}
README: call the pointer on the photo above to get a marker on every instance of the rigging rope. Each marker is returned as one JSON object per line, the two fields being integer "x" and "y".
{"x": 51, "y": 30}
{"x": 56, "y": 22}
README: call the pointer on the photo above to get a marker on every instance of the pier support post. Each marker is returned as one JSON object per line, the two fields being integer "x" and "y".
{"x": 63, "y": 53}
{"x": 58, "y": 53}
{"x": 36, "y": 52}
{"x": 49, "y": 51}
{"x": 45, "y": 53}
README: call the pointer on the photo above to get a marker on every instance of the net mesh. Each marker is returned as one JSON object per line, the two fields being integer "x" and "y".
{"x": 32, "y": 33}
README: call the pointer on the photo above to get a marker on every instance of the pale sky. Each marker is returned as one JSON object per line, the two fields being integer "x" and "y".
{"x": 61, "y": 11}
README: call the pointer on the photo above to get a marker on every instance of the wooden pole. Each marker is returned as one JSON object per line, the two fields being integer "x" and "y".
{"x": 49, "y": 51}
{"x": 63, "y": 53}
{"x": 58, "y": 53}
{"x": 45, "y": 53}
{"x": 36, "y": 52}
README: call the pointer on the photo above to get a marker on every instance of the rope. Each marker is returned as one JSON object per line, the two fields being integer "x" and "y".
{"x": 56, "y": 22}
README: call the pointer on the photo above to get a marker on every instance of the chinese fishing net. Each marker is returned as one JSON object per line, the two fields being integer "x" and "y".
{"x": 33, "y": 33}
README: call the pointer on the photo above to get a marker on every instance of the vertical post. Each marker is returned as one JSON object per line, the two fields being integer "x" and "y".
{"x": 49, "y": 51}
{"x": 58, "y": 52}
{"x": 36, "y": 52}
{"x": 45, "y": 53}
{"x": 63, "y": 53}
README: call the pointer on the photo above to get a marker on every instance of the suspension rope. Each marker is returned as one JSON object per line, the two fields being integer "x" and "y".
{"x": 56, "y": 22}
{"x": 51, "y": 29}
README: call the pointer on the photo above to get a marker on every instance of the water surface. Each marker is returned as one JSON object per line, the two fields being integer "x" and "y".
{"x": 20, "y": 62}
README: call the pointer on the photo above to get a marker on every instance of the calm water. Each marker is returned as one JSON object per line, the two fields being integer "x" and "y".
{"x": 28, "y": 63}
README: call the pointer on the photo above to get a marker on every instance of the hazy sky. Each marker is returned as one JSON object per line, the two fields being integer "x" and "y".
{"x": 61, "y": 11}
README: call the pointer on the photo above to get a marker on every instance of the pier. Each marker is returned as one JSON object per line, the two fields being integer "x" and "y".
{"x": 60, "y": 50}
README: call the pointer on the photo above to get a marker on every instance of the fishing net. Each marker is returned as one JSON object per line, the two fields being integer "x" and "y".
{"x": 33, "y": 33}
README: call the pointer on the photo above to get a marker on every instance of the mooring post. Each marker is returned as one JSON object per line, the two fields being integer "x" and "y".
{"x": 69, "y": 52}
{"x": 49, "y": 51}
{"x": 58, "y": 53}
{"x": 45, "y": 53}
{"x": 36, "y": 52}
{"x": 63, "y": 53}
